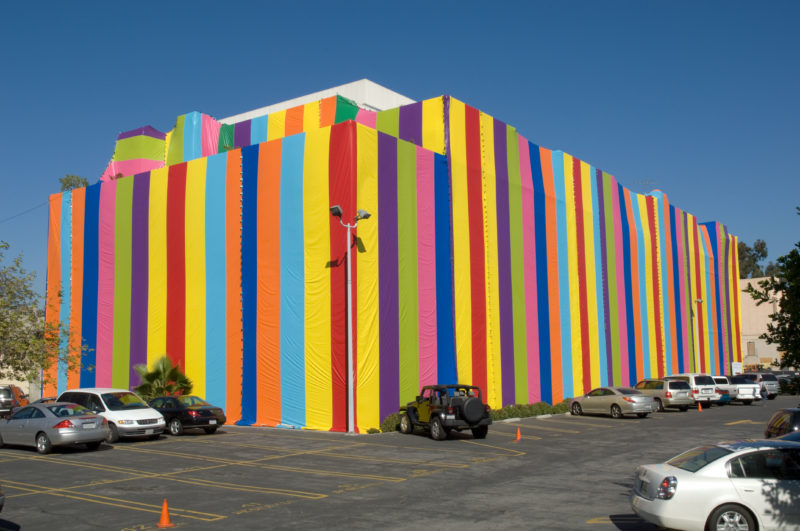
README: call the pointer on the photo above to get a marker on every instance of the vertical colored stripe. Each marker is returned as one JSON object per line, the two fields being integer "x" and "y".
{"x": 105, "y": 285}
{"x": 216, "y": 273}
{"x": 530, "y": 270}
{"x": 66, "y": 286}
{"x": 426, "y": 266}
{"x": 90, "y": 285}
{"x": 139, "y": 266}
{"x": 157, "y": 267}
{"x": 195, "y": 252}
{"x": 408, "y": 275}
{"x": 249, "y": 284}
{"x": 53, "y": 287}
{"x": 176, "y": 264}
{"x": 446, "y": 366}
{"x": 76, "y": 292}
{"x": 582, "y": 302}
{"x": 120, "y": 365}
{"x": 233, "y": 265}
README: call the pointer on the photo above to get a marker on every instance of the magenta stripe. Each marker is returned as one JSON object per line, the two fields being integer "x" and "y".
{"x": 426, "y": 267}
{"x": 683, "y": 293}
{"x": 410, "y": 127}
{"x": 369, "y": 118}
{"x": 143, "y": 131}
{"x": 621, "y": 301}
{"x": 529, "y": 250}
{"x": 139, "y": 280}
{"x": 105, "y": 285}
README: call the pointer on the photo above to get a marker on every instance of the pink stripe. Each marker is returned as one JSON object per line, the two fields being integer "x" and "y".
{"x": 621, "y": 306}
{"x": 210, "y": 135}
{"x": 529, "y": 250}
{"x": 426, "y": 267}
{"x": 683, "y": 293}
{"x": 130, "y": 167}
{"x": 369, "y": 118}
{"x": 105, "y": 285}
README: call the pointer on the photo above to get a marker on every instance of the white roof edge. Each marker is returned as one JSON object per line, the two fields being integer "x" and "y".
{"x": 365, "y": 93}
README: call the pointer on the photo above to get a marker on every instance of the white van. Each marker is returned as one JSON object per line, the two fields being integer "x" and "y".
{"x": 127, "y": 414}
{"x": 704, "y": 389}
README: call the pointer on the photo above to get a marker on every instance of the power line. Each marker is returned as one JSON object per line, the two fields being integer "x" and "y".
{"x": 23, "y": 212}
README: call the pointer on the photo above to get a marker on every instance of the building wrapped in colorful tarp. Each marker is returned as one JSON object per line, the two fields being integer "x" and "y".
{"x": 487, "y": 260}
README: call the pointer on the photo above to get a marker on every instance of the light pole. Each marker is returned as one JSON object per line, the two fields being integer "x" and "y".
{"x": 696, "y": 315}
{"x": 336, "y": 211}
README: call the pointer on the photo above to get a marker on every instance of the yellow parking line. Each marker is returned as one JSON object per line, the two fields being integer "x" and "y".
{"x": 251, "y": 488}
{"x": 583, "y": 422}
{"x": 741, "y": 422}
{"x": 514, "y": 453}
{"x": 320, "y": 472}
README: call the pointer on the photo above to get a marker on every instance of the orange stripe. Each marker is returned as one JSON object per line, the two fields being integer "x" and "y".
{"x": 670, "y": 293}
{"x": 76, "y": 291}
{"x": 268, "y": 327}
{"x": 233, "y": 224}
{"x": 52, "y": 311}
{"x": 327, "y": 111}
{"x": 552, "y": 276}
{"x": 636, "y": 302}
{"x": 294, "y": 120}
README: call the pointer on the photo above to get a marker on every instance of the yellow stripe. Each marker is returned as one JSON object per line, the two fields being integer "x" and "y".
{"x": 433, "y": 125}
{"x": 706, "y": 296}
{"x": 276, "y": 125}
{"x": 574, "y": 293}
{"x": 196, "y": 275}
{"x": 316, "y": 229}
{"x": 368, "y": 301}
{"x": 494, "y": 379}
{"x": 461, "y": 249}
{"x": 157, "y": 265}
{"x": 310, "y": 116}
{"x": 648, "y": 278}
{"x": 736, "y": 294}
{"x": 692, "y": 290}
{"x": 591, "y": 272}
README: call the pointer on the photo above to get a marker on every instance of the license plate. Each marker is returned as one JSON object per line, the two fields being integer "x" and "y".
{"x": 682, "y": 395}
{"x": 450, "y": 417}
{"x": 88, "y": 425}
{"x": 706, "y": 391}
{"x": 148, "y": 432}
{"x": 212, "y": 421}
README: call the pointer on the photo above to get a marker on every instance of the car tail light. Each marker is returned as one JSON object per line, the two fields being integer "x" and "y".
{"x": 66, "y": 423}
{"x": 722, "y": 391}
{"x": 193, "y": 413}
{"x": 694, "y": 391}
{"x": 487, "y": 408}
{"x": 450, "y": 410}
{"x": 629, "y": 399}
{"x": 668, "y": 394}
{"x": 105, "y": 421}
{"x": 667, "y": 488}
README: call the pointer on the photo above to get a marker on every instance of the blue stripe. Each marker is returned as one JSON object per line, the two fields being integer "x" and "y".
{"x": 708, "y": 326}
{"x": 626, "y": 253}
{"x": 559, "y": 180}
{"x": 676, "y": 282}
{"x": 542, "y": 287}
{"x": 599, "y": 266}
{"x": 640, "y": 251}
{"x": 665, "y": 296}
{"x": 216, "y": 301}
{"x": 445, "y": 320}
{"x": 292, "y": 321}
{"x": 191, "y": 136}
{"x": 714, "y": 236}
{"x": 66, "y": 261}
{"x": 249, "y": 285}
{"x": 258, "y": 130}
{"x": 90, "y": 272}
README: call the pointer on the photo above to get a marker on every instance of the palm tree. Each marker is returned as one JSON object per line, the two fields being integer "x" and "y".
{"x": 164, "y": 379}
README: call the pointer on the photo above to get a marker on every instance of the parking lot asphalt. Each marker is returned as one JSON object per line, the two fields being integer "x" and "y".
{"x": 565, "y": 473}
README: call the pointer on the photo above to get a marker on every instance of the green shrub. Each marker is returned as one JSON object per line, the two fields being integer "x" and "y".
{"x": 373, "y": 430}
{"x": 529, "y": 410}
{"x": 391, "y": 423}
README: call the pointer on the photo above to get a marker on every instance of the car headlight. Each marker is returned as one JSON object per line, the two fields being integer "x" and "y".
{"x": 667, "y": 488}
{"x": 125, "y": 422}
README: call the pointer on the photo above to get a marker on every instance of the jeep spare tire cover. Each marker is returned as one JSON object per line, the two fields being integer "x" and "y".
{"x": 473, "y": 410}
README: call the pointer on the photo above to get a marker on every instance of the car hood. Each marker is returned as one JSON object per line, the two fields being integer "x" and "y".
{"x": 132, "y": 414}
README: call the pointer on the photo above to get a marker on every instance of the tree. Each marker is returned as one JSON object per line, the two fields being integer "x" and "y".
{"x": 164, "y": 379}
{"x": 70, "y": 182}
{"x": 784, "y": 289}
{"x": 29, "y": 346}
{"x": 750, "y": 259}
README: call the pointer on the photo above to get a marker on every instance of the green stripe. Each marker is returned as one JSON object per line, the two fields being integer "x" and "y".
{"x": 517, "y": 267}
{"x": 139, "y": 147}
{"x": 611, "y": 272}
{"x": 345, "y": 110}
{"x": 175, "y": 154}
{"x": 407, "y": 269}
{"x": 122, "y": 283}
{"x": 226, "y": 137}
{"x": 389, "y": 122}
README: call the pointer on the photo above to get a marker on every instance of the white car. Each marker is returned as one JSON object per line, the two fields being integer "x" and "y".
{"x": 743, "y": 485}
{"x": 746, "y": 391}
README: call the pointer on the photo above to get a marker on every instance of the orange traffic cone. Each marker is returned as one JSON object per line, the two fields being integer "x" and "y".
{"x": 699, "y": 407}
{"x": 164, "y": 517}
{"x": 518, "y": 437}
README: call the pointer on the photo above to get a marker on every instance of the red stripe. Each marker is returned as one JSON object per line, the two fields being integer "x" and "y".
{"x": 698, "y": 307}
{"x": 476, "y": 247}
{"x": 176, "y": 264}
{"x": 651, "y": 217}
{"x": 584, "y": 304}
{"x": 341, "y": 168}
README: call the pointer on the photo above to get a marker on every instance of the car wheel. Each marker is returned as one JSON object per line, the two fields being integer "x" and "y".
{"x": 472, "y": 410}
{"x": 684, "y": 408}
{"x": 1, "y": 441}
{"x": 43, "y": 444}
{"x": 747, "y": 402}
{"x": 405, "y": 424}
{"x": 94, "y": 445}
{"x": 616, "y": 411}
{"x": 641, "y": 415}
{"x": 210, "y": 430}
{"x": 175, "y": 426}
{"x": 437, "y": 430}
{"x": 480, "y": 432}
{"x": 113, "y": 433}
{"x": 577, "y": 410}
{"x": 731, "y": 517}
{"x": 659, "y": 405}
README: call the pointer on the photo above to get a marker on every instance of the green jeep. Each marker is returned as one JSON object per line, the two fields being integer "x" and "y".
{"x": 443, "y": 408}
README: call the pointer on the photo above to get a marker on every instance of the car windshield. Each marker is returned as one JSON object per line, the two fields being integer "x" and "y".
{"x": 768, "y": 378}
{"x": 193, "y": 401}
{"x": 697, "y": 458}
{"x": 703, "y": 380}
{"x": 68, "y": 410}
{"x": 121, "y": 400}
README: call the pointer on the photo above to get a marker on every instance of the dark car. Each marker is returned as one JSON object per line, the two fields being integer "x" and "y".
{"x": 45, "y": 400}
{"x": 782, "y": 422}
{"x": 444, "y": 408}
{"x": 11, "y": 397}
{"x": 185, "y": 412}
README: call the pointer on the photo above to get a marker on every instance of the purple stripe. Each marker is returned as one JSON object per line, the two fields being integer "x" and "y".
{"x": 604, "y": 255}
{"x": 387, "y": 262}
{"x": 241, "y": 134}
{"x": 726, "y": 263}
{"x": 143, "y": 131}
{"x": 504, "y": 264}
{"x": 139, "y": 268}
{"x": 411, "y": 123}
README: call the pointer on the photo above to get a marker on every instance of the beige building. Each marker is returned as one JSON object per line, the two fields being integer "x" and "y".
{"x": 754, "y": 319}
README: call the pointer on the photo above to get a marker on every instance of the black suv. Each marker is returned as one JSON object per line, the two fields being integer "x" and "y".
{"x": 443, "y": 408}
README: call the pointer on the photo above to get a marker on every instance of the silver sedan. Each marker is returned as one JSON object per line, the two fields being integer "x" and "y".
{"x": 56, "y": 424}
{"x": 614, "y": 401}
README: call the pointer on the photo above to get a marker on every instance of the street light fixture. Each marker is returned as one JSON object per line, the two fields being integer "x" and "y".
{"x": 336, "y": 211}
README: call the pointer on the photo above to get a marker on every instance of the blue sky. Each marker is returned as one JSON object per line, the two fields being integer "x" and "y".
{"x": 697, "y": 99}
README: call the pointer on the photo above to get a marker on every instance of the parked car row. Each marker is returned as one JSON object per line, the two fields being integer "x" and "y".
{"x": 93, "y": 415}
